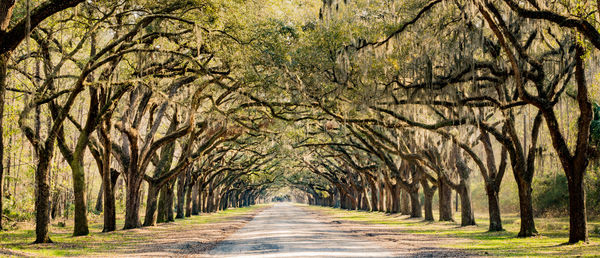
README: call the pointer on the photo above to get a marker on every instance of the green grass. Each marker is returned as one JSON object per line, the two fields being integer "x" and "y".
{"x": 97, "y": 243}
{"x": 550, "y": 242}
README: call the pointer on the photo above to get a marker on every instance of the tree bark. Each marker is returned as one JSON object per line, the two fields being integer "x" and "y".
{"x": 132, "y": 203}
{"x": 56, "y": 202}
{"x": 445, "y": 200}
{"x": 213, "y": 204}
{"x": 526, "y": 208}
{"x": 381, "y": 196}
{"x": 109, "y": 179}
{"x": 217, "y": 202}
{"x": 365, "y": 199}
{"x": 467, "y": 218}
{"x": 195, "y": 208}
{"x": 343, "y": 202}
{"x": 42, "y": 200}
{"x": 163, "y": 205}
{"x": 396, "y": 198}
{"x": 374, "y": 201}
{"x": 80, "y": 227}
{"x": 170, "y": 196}
{"x": 204, "y": 202}
{"x": 405, "y": 203}
{"x": 493, "y": 209}
{"x": 151, "y": 204}
{"x": 202, "y": 197}
{"x": 99, "y": 204}
{"x": 428, "y": 191}
{"x": 577, "y": 166}
{"x": 3, "y": 75}
{"x": 492, "y": 180}
{"x": 188, "y": 200}
{"x": 464, "y": 187}
{"x": 389, "y": 193}
{"x": 181, "y": 195}
{"x": 110, "y": 210}
{"x": 415, "y": 204}
{"x": 577, "y": 207}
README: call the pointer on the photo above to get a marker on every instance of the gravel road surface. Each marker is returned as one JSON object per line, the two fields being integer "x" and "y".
{"x": 285, "y": 230}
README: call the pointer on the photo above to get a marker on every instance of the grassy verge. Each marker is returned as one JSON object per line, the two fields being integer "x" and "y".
{"x": 554, "y": 233}
{"x": 97, "y": 243}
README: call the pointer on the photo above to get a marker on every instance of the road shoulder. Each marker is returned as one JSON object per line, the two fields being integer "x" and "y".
{"x": 392, "y": 237}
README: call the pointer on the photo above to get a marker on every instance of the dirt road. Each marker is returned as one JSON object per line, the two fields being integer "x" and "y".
{"x": 285, "y": 230}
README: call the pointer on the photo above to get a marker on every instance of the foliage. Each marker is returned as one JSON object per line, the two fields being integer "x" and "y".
{"x": 301, "y": 99}
{"x": 550, "y": 194}
{"x": 595, "y": 126}
{"x": 593, "y": 190}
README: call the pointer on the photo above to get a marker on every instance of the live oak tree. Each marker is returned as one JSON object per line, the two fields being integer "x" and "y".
{"x": 575, "y": 162}
{"x": 11, "y": 36}
{"x": 197, "y": 106}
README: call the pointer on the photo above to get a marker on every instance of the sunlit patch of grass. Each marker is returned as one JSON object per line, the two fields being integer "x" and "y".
{"x": 98, "y": 243}
{"x": 550, "y": 241}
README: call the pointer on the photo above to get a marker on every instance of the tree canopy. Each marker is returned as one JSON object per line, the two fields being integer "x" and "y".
{"x": 190, "y": 106}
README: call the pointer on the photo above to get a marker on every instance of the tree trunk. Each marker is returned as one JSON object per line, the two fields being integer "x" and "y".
{"x": 389, "y": 201}
{"x": 6, "y": 11}
{"x": 354, "y": 198}
{"x": 575, "y": 167}
{"x": 374, "y": 201}
{"x": 466, "y": 212}
{"x": 110, "y": 212}
{"x": 577, "y": 217}
{"x": 381, "y": 196}
{"x": 415, "y": 205}
{"x": 464, "y": 187}
{"x": 170, "y": 201}
{"x": 456, "y": 201}
{"x": 445, "y": 200}
{"x": 493, "y": 209}
{"x": 212, "y": 201}
{"x": 396, "y": 198}
{"x": 217, "y": 201}
{"x": 428, "y": 192}
{"x": 42, "y": 200}
{"x": 163, "y": 204}
{"x": 195, "y": 200}
{"x": 55, "y": 207}
{"x": 366, "y": 203}
{"x": 99, "y": 204}
{"x": 201, "y": 201}
{"x": 181, "y": 195}
{"x": 492, "y": 180}
{"x": 526, "y": 208}
{"x": 206, "y": 202}
{"x": 3, "y": 75}
{"x": 405, "y": 203}
{"x": 188, "y": 201}
{"x": 81, "y": 223}
{"x": 132, "y": 203}
{"x": 1, "y": 187}
{"x": 151, "y": 204}
{"x": 109, "y": 177}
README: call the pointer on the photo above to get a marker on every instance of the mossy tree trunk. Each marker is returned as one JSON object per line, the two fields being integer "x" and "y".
{"x": 181, "y": 186}
{"x": 3, "y": 75}
{"x": 429, "y": 192}
{"x": 445, "y": 200}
